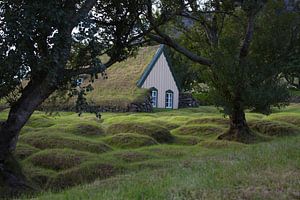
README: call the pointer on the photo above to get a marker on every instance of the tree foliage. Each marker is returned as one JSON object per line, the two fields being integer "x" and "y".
{"x": 242, "y": 49}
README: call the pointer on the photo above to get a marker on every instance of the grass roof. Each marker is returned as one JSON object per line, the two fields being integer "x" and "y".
{"x": 121, "y": 86}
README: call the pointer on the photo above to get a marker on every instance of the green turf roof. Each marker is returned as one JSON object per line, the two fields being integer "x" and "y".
{"x": 121, "y": 87}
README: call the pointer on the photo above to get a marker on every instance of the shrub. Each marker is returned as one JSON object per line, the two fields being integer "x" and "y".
{"x": 54, "y": 141}
{"x": 272, "y": 128}
{"x": 83, "y": 174}
{"x": 130, "y": 140}
{"x": 159, "y": 133}
{"x": 58, "y": 159}
{"x": 24, "y": 150}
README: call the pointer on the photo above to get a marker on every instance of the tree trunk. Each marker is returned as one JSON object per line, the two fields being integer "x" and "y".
{"x": 239, "y": 130}
{"x": 33, "y": 95}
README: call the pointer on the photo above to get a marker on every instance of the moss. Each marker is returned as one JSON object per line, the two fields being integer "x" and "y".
{"x": 83, "y": 174}
{"x": 130, "y": 140}
{"x": 24, "y": 150}
{"x": 202, "y": 131}
{"x": 272, "y": 128}
{"x": 54, "y": 141}
{"x": 159, "y": 133}
{"x": 58, "y": 159}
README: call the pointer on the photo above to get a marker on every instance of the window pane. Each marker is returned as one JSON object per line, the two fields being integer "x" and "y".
{"x": 169, "y": 100}
{"x": 154, "y": 98}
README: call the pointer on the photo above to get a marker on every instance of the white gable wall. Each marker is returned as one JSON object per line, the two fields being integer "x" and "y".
{"x": 162, "y": 79}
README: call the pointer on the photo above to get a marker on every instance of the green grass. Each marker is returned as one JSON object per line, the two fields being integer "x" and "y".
{"x": 160, "y": 155}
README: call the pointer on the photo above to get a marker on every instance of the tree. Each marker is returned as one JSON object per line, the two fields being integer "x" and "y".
{"x": 242, "y": 53}
{"x": 46, "y": 45}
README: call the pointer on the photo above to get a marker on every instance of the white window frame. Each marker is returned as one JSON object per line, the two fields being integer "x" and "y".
{"x": 169, "y": 99}
{"x": 79, "y": 81}
{"x": 154, "y": 98}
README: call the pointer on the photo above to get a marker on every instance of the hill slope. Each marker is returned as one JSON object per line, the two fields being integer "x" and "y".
{"x": 161, "y": 155}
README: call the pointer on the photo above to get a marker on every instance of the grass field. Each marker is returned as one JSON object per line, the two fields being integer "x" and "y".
{"x": 160, "y": 155}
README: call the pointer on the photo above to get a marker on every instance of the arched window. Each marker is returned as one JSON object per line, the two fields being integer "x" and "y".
{"x": 169, "y": 99}
{"x": 79, "y": 81}
{"x": 154, "y": 97}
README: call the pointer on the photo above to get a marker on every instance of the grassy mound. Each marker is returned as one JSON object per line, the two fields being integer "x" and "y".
{"x": 132, "y": 156}
{"x": 54, "y": 141}
{"x": 159, "y": 133}
{"x": 202, "y": 131}
{"x": 186, "y": 140}
{"x": 209, "y": 120}
{"x": 272, "y": 128}
{"x": 167, "y": 125}
{"x": 219, "y": 144}
{"x": 88, "y": 129}
{"x": 83, "y": 174}
{"x": 130, "y": 140}
{"x": 40, "y": 121}
{"x": 24, "y": 150}
{"x": 38, "y": 176}
{"x": 58, "y": 159}
{"x": 292, "y": 119}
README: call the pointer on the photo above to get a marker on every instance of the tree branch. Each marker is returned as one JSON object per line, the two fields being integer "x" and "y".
{"x": 165, "y": 39}
{"x": 90, "y": 69}
{"x": 83, "y": 12}
{"x": 248, "y": 37}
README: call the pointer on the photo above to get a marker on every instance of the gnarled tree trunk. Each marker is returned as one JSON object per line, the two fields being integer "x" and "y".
{"x": 239, "y": 129}
{"x": 33, "y": 95}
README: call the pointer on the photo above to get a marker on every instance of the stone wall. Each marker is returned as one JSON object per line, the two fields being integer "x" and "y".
{"x": 138, "y": 106}
{"x": 295, "y": 99}
{"x": 186, "y": 100}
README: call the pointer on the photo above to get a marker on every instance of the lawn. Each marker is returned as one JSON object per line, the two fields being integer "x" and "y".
{"x": 160, "y": 155}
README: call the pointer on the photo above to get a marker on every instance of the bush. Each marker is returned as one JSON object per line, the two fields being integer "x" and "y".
{"x": 159, "y": 133}
{"x": 130, "y": 140}
{"x": 272, "y": 128}
{"x": 54, "y": 141}
{"x": 203, "y": 98}
{"x": 58, "y": 159}
{"x": 83, "y": 174}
